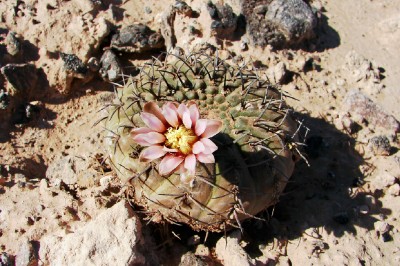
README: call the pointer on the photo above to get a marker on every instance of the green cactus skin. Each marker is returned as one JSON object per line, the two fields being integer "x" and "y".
{"x": 253, "y": 162}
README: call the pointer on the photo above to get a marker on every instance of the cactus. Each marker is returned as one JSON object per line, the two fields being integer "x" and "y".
{"x": 254, "y": 157}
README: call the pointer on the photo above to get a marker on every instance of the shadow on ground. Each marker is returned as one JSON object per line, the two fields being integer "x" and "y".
{"x": 326, "y": 195}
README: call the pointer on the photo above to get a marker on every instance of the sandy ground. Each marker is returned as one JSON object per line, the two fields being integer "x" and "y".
{"x": 342, "y": 209}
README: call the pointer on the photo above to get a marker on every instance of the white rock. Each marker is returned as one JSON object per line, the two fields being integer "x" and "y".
{"x": 381, "y": 227}
{"x": 394, "y": 190}
{"x": 383, "y": 180}
{"x": 229, "y": 251}
{"x": 112, "y": 238}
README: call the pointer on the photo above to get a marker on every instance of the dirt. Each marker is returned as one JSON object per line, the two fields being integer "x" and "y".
{"x": 341, "y": 204}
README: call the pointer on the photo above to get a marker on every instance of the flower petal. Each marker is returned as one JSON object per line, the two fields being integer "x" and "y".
{"x": 151, "y": 153}
{"x": 140, "y": 130}
{"x": 186, "y": 120}
{"x": 201, "y": 125}
{"x": 169, "y": 163}
{"x": 212, "y": 129}
{"x": 210, "y": 146}
{"x": 154, "y": 109}
{"x": 152, "y": 122}
{"x": 198, "y": 147}
{"x": 149, "y": 138}
{"x": 190, "y": 163}
{"x": 205, "y": 158}
{"x": 171, "y": 115}
{"x": 182, "y": 108}
{"x": 170, "y": 150}
{"x": 194, "y": 113}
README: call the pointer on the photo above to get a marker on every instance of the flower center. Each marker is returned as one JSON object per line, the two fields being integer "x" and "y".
{"x": 180, "y": 138}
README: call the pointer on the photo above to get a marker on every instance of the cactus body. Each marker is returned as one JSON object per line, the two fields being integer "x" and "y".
{"x": 253, "y": 160}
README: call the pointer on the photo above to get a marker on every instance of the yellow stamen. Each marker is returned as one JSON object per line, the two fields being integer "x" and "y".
{"x": 180, "y": 138}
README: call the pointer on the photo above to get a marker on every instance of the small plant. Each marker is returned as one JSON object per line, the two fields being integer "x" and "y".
{"x": 202, "y": 141}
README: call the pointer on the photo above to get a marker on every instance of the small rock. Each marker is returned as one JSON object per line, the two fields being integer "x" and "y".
{"x": 193, "y": 240}
{"x": 4, "y": 100}
{"x": 12, "y": 43}
{"x": 167, "y": 28}
{"x": 26, "y": 255}
{"x": 229, "y": 251}
{"x": 110, "y": 68}
{"x": 284, "y": 23}
{"x": 202, "y": 250}
{"x": 137, "y": 38}
{"x": 62, "y": 169}
{"x": 182, "y": 8}
{"x": 114, "y": 237}
{"x": 147, "y": 10}
{"x": 363, "y": 209}
{"x": 261, "y": 9}
{"x": 383, "y": 180}
{"x": 190, "y": 259}
{"x": 22, "y": 78}
{"x": 394, "y": 190}
{"x": 280, "y": 72}
{"x": 360, "y": 107}
{"x": 224, "y": 20}
{"x": 382, "y": 227}
{"x": 380, "y": 145}
{"x": 5, "y": 260}
{"x": 105, "y": 181}
{"x": 93, "y": 64}
{"x": 74, "y": 64}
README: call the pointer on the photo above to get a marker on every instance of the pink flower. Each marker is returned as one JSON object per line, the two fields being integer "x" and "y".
{"x": 176, "y": 134}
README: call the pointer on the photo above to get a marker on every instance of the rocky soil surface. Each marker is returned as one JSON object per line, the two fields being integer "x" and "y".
{"x": 337, "y": 62}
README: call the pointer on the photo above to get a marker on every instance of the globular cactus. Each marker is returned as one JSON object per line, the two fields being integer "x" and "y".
{"x": 255, "y": 155}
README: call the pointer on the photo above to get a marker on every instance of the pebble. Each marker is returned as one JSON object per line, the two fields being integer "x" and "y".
{"x": 383, "y": 180}
{"x": 105, "y": 181}
{"x": 202, "y": 250}
{"x": 13, "y": 44}
{"x": 363, "y": 209}
{"x": 382, "y": 227}
{"x": 193, "y": 240}
{"x": 5, "y": 260}
{"x": 394, "y": 190}
{"x": 26, "y": 255}
{"x": 380, "y": 145}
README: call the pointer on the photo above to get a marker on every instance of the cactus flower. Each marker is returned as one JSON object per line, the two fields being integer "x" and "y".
{"x": 176, "y": 134}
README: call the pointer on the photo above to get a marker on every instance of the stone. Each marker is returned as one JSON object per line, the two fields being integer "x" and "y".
{"x": 74, "y": 64}
{"x": 382, "y": 227}
{"x": 190, "y": 259}
{"x": 114, "y": 237}
{"x": 63, "y": 169}
{"x": 224, "y": 20}
{"x": 202, "y": 250}
{"x": 280, "y": 23}
{"x": 26, "y": 256}
{"x": 137, "y": 38}
{"x": 361, "y": 108}
{"x": 5, "y": 259}
{"x": 280, "y": 72}
{"x": 22, "y": 78}
{"x": 4, "y": 100}
{"x": 394, "y": 190}
{"x": 183, "y": 8}
{"x": 229, "y": 251}
{"x": 380, "y": 145}
{"x": 12, "y": 43}
{"x": 167, "y": 28}
{"x": 383, "y": 180}
{"x": 110, "y": 68}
